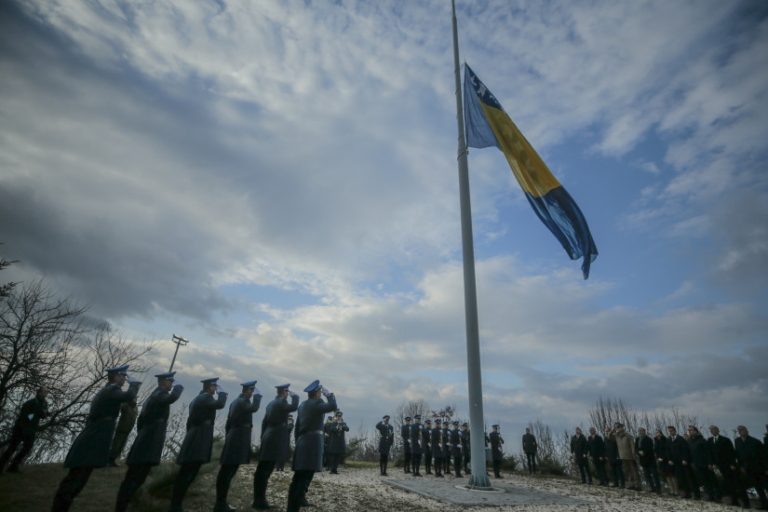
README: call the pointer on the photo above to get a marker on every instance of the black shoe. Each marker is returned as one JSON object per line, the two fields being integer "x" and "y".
{"x": 306, "y": 503}
{"x": 261, "y": 505}
{"x": 439, "y": 475}
{"x": 418, "y": 474}
{"x": 112, "y": 463}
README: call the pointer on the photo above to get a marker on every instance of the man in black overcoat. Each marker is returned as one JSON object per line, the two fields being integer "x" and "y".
{"x": 751, "y": 459}
{"x": 724, "y": 457}
{"x": 386, "y": 439}
{"x": 274, "y": 431}
{"x": 497, "y": 453}
{"x": 25, "y": 430}
{"x": 702, "y": 461}
{"x": 148, "y": 446}
{"x": 417, "y": 441}
{"x": 647, "y": 459}
{"x": 680, "y": 461}
{"x": 91, "y": 448}
{"x": 530, "y": 447}
{"x": 405, "y": 434}
{"x": 438, "y": 448}
{"x": 308, "y": 455}
{"x": 596, "y": 448}
{"x": 457, "y": 449}
{"x": 198, "y": 443}
{"x": 237, "y": 443}
{"x": 612, "y": 456}
{"x": 337, "y": 445}
{"x": 580, "y": 455}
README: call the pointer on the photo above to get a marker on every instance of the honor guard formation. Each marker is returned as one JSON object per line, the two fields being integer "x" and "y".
{"x": 686, "y": 463}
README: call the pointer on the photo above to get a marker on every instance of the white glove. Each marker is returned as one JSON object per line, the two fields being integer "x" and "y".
{"x": 219, "y": 389}
{"x": 256, "y": 391}
{"x": 130, "y": 379}
{"x": 30, "y": 417}
{"x": 292, "y": 393}
{"x": 324, "y": 391}
{"x": 176, "y": 383}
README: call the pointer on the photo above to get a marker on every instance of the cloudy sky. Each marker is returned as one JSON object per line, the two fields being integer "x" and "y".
{"x": 277, "y": 181}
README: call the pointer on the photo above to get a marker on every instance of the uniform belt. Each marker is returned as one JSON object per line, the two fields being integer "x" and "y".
{"x": 102, "y": 418}
{"x": 312, "y": 432}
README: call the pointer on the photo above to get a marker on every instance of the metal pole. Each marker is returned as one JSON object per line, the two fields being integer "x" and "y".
{"x": 178, "y": 340}
{"x": 478, "y": 479}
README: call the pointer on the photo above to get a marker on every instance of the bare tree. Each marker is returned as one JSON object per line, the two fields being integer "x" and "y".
{"x": 49, "y": 341}
{"x": 5, "y": 289}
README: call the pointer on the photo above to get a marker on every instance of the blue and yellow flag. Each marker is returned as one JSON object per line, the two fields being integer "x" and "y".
{"x": 488, "y": 125}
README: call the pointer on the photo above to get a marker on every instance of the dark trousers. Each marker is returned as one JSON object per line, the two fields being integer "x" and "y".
{"x": 407, "y": 463}
{"x": 223, "y": 481}
{"x": 652, "y": 476}
{"x": 531, "y": 462}
{"x": 17, "y": 437}
{"x": 686, "y": 480}
{"x": 467, "y": 462}
{"x": 383, "y": 461}
{"x": 583, "y": 464}
{"x": 428, "y": 462}
{"x": 280, "y": 465}
{"x": 732, "y": 485}
{"x": 602, "y": 474}
{"x": 298, "y": 488}
{"x": 261, "y": 479}
{"x": 416, "y": 463}
{"x": 617, "y": 473}
{"x": 759, "y": 481}
{"x": 497, "y": 468}
{"x": 334, "y": 459}
{"x": 187, "y": 474}
{"x": 438, "y": 465}
{"x": 457, "y": 465}
{"x": 709, "y": 481}
{"x": 134, "y": 478}
{"x": 70, "y": 487}
{"x": 447, "y": 464}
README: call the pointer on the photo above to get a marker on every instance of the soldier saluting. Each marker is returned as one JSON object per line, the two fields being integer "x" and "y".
{"x": 150, "y": 437}
{"x": 237, "y": 444}
{"x": 91, "y": 448}
{"x": 387, "y": 432}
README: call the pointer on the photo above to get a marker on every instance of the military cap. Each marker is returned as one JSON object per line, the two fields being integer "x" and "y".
{"x": 417, "y": 417}
{"x": 118, "y": 370}
{"x": 438, "y": 420}
{"x": 429, "y": 422}
{"x": 282, "y": 387}
{"x": 339, "y": 413}
{"x": 212, "y": 380}
{"x": 407, "y": 418}
{"x": 494, "y": 426}
{"x": 290, "y": 416}
{"x": 464, "y": 424}
{"x": 618, "y": 425}
{"x": 455, "y": 422}
{"x": 166, "y": 375}
{"x": 312, "y": 387}
{"x": 251, "y": 384}
{"x": 386, "y": 417}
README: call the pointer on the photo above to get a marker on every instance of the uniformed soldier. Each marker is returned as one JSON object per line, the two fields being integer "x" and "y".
{"x": 438, "y": 448}
{"x": 274, "y": 433}
{"x": 337, "y": 446}
{"x": 387, "y": 432}
{"x": 128, "y": 413}
{"x": 237, "y": 444}
{"x": 308, "y": 456}
{"x": 465, "y": 442}
{"x": 198, "y": 443}
{"x": 91, "y": 448}
{"x": 405, "y": 434}
{"x": 457, "y": 448}
{"x": 150, "y": 437}
{"x": 447, "y": 449}
{"x": 497, "y": 453}
{"x": 417, "y": 433}
{"x": 326, "y": 440}
{"x": 25, "y": 430}
{"x": 280, "y": 463}
{"x": 427, "y": 448}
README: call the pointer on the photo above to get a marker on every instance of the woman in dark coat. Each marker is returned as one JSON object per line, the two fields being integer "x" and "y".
{"x": 661, "y": 449}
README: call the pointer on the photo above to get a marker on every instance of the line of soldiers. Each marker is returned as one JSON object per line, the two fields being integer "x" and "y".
{"x": 687, "y": 463}
{"x": 439, "y": 444}
{"x": 92, "y": 448}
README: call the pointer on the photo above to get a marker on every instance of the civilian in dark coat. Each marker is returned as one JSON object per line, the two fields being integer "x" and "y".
{"x": 150, "y": 437}
{"x": 702, "y": 461}
{"x": 405, "y": 435}
{"x": 647, "y": 458}
{"x": 386, "y": 439}
{"x": 129, "y": 411}
{"x": 308, "y": 456}
{"x": 237, "y": 443}
{"x": 25, "y": 430}
{"x": 680, "y": 460}
{"x": 580, "y": 454}
{"x": 612, "y": 455}
{"x": 596, "y": 448}
{"x": 91, "y": 448}
{"x": 724, "y": 459}
{"x": 197, "y": 445}
{"x": 438, "y": 448}
{"x": 456, "y": 448}
{"x": 530, "y": 447}
{"x": 661, "y": 452}
{"x": 426, "y": 450}
{"x": 751, "y": 459}
{"x": 497, "y": 452}
{"x": 274, "y": 432}
{"x": 337, "y": 444}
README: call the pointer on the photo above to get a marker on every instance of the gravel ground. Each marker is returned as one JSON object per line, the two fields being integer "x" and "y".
{"x": 363, "y": 489}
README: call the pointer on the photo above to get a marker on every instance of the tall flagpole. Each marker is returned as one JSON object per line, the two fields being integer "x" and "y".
{"x": 478, "y": 479}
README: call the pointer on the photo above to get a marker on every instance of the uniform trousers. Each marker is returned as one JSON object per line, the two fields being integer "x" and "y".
{"x": 261, "y": 479}
{"x": 407, "y": 462}
{"x": 17, "y": 438}
{"x": 497, "y": 468}
{"x": 416, "y": 463}
{"x": 428, "y": 461}
{"x": 298, "y": 489}
{"x": 134, "y": 478}
{"x": 457, "y": 465}
{"x": 223, "y": 481}
{"x": 187, "y": 474}
{"x": 439, "y": 466}
{"x": 70, "y": 487}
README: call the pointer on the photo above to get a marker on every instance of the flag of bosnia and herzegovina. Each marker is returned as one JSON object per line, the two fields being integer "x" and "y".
{"x": 488, "y": 125}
